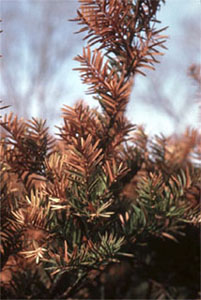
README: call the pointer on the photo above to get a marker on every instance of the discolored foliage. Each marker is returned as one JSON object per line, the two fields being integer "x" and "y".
{"x": 103, "y": 206}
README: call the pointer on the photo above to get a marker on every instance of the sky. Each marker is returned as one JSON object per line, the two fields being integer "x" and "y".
{"x": 175, "y": 85}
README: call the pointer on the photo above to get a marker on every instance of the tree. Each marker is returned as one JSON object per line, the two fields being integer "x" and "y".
{"x": 103, "y": 194}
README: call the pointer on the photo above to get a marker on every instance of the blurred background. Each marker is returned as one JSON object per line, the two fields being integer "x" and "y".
{"x": 38, "y": 46}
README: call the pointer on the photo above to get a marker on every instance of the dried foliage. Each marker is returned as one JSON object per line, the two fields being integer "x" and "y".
{"x": 103, "y": 192}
